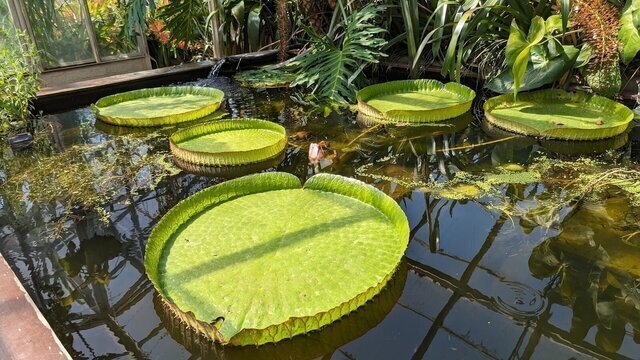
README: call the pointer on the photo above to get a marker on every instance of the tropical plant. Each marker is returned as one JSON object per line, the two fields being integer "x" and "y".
{"x": 19, "y": 79}
{"x": 108, "y": 19}
{"x": 607, "y": 35}
{"x": 332, "y": 65}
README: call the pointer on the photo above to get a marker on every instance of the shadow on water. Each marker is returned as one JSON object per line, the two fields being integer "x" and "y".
{"x": 479, "y": 282}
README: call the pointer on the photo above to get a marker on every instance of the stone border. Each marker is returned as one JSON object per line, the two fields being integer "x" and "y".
{"x": 25, "y": 333}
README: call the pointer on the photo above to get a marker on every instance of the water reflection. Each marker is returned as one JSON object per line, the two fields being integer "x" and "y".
{"x": 467, "y": 291}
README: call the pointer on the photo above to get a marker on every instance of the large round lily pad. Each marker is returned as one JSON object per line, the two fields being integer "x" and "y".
{"x": 558, "y": 114}
{"x": 229, "y": 142}
{"x": 158, "y": 106}
{"x": 262, "y": 258}
{"x": 414, "y": 101}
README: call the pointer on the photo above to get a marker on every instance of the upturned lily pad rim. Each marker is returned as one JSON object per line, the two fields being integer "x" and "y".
{"x": 309, "y": 346}
{"x": 216, "y": 96}
{"x": 227, "y": 158}
{"x": 463, "y": 93}
{"x": 621, "y": 112}
{"x": 254, "y": 184}
{"x": 229, "y": 171}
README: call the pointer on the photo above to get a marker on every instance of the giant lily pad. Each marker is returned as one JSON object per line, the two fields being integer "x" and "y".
{"x": 158, "y": 106}
{"x": 557, "y": 114}
{"x": 228, "y": 142}
{"x": 311, "y": 346}
{"x": 414, "y": 101}
{"x": 262, "y": 258}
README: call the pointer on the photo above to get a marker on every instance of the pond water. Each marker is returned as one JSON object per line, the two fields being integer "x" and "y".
{"x": 480, "y": 279}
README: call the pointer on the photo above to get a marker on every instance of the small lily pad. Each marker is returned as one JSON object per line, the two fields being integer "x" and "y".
{"x": 265, "y": 78}
{"x": 158, "y": 106}
{"x": 558, "y": 114}
{"x": 229, "y": 142}
{"x": 415, "y": 101}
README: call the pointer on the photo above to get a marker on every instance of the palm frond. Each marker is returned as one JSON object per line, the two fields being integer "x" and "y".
{"x": 332, "y": 67}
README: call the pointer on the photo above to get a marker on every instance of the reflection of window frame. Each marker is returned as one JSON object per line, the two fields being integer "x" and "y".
{"x": 21, "y": 21}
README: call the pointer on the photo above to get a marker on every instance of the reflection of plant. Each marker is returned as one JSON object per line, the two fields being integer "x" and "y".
{"x": 594, "y": 273}
{"x": 19, "y": 78}
{"x": 83, "y": 178}
{"x": 332, "y": 66}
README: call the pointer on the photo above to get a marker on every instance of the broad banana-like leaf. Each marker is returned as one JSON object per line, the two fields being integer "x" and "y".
{"x": 158, "y": 106}
{"x": 229, "y": 142}
{"x": 519, "y": 48}
{"x": 540, "y": 71}
{"x": 253, "y": 27}
{"x": 558, "y": 114}
{"x": 629, "y": 35}
{"x": 414, "y": 101}
{"x": 251, "y": 261}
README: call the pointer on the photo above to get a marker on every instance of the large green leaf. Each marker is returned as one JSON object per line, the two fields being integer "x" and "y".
{"x": 253, "y": 27}
{"x": 158, "y": 106}
{"x": 541, "y": 71}
{"x": 519, "y": 48}
{"x": 260, "y": 258}
{"x": 629, "y": 36}
{"x": 557, "y": 114}
{"x": 185, "y": 19}
{"x": 229, "y": 142}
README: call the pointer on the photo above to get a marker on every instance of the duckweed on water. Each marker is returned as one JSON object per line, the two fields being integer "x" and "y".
{"x": 83, "y": 178}
{"x": 567, "y": 183}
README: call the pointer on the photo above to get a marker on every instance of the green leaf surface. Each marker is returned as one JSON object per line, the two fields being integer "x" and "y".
{"x": 519, "y": 48}
{"x": 558, "y": 114}
{"x": 629, "y": 35}
{"x": 259, "y": 259}
{"x": 540, "y": 71}
{"x": 253, "y": 27}
{"x": 415, "y": 101}
{"x": 229, "y": 142}
{"x": 158, "y": 106}
{"x": 565, "y": 12}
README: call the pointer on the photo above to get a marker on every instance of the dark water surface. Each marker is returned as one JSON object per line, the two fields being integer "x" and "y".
{"x": 476, "y": 282}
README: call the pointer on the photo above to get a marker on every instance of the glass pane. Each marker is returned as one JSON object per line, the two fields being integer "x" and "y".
{"x": 108, "y": 23}
{"x": 60, "y": 32}
{"x": 5, "y": 15}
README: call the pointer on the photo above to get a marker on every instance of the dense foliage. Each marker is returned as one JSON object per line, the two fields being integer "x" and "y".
{"x": 19, "y": 75}
{"x": 510, "y": 45}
